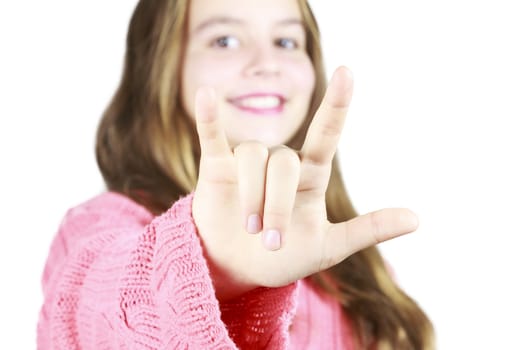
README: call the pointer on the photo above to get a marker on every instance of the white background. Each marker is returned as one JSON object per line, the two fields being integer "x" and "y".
{"x": 434, "y": 126}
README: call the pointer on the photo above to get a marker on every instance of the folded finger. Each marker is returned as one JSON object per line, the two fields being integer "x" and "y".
{"x": 251, "y": 159}
{"x": 282, "y": 179}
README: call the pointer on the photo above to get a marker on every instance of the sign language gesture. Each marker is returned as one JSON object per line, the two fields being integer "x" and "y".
{"x": 261, "y": 213}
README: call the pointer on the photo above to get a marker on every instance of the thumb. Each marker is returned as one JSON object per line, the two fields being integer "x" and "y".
{"x": 347, "y": 238}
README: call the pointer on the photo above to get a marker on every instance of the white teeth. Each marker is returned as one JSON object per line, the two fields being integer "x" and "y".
{"x": 260, "y": 102}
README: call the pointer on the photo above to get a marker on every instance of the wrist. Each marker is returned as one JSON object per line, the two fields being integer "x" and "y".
{"x": 227, "y": 285}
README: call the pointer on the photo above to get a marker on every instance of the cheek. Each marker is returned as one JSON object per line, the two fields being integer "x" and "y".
{"x": 198, "y": 72}
{"x": 208, "y": 71}
{"x": 302, "y": 75}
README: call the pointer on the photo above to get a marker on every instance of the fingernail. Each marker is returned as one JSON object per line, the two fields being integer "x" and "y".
{"x": 272, "y": 240}
{"x": 254, "y": 224}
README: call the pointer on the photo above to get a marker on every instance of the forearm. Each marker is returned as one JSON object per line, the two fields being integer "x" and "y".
{"x": 149, "y": 286}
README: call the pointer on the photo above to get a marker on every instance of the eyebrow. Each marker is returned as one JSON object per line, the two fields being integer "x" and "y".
{"x": 235, "y": 21}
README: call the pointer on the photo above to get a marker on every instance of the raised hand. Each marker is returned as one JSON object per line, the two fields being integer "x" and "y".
{"x": 261, "y": 213}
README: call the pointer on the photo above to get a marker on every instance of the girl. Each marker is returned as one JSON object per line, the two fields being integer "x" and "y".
{"x": 213, "y": 234}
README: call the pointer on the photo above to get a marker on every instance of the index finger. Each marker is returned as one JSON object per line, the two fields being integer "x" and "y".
{"x": 323, "y": 134}
{"x": 212, "y": 137}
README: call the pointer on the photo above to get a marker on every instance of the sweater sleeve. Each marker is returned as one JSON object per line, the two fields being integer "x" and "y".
{"x": 119, "y": 278}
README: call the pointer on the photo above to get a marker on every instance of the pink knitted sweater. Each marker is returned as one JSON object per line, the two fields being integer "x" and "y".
{"x": 119, "y": 278}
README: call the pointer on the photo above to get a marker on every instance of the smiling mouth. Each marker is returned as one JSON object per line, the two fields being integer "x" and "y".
{"x": 259, "y": 104}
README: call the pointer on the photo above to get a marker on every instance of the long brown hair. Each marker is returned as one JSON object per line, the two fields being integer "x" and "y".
{"x": 147, "y": 148}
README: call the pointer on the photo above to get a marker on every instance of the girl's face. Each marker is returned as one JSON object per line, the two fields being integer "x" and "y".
{"x": 253, "y": 53}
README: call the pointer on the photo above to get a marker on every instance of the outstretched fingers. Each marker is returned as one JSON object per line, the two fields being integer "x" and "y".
{"x": 326, "y": 127}
{"x": 212, "y": 137}
{"x": 346, "y": 238}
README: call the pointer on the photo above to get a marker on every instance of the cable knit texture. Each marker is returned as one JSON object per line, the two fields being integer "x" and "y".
{"x": 119, "y": 278}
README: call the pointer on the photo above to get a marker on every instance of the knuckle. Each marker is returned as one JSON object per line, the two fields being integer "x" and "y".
{"x": 377, "y": 226}
{"x": 331, "y": 127}
{"x": 283, "y": 156}
{"x": 251, "y": 148}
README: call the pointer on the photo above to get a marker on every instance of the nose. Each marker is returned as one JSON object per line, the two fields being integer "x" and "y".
{"x": 263, "y": 62}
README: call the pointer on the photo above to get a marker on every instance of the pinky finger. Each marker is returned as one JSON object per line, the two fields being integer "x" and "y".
{"x": 212, "y": 137}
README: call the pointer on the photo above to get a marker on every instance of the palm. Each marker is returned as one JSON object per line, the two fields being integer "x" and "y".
{"x": 289, "y": 191}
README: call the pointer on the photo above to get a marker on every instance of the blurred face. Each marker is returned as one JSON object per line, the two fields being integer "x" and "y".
{"x": 253, "y": 53}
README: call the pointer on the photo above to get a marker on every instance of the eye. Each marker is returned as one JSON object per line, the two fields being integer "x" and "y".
{"x": 226, "y": 41}
{"x": 287, "y": 43}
